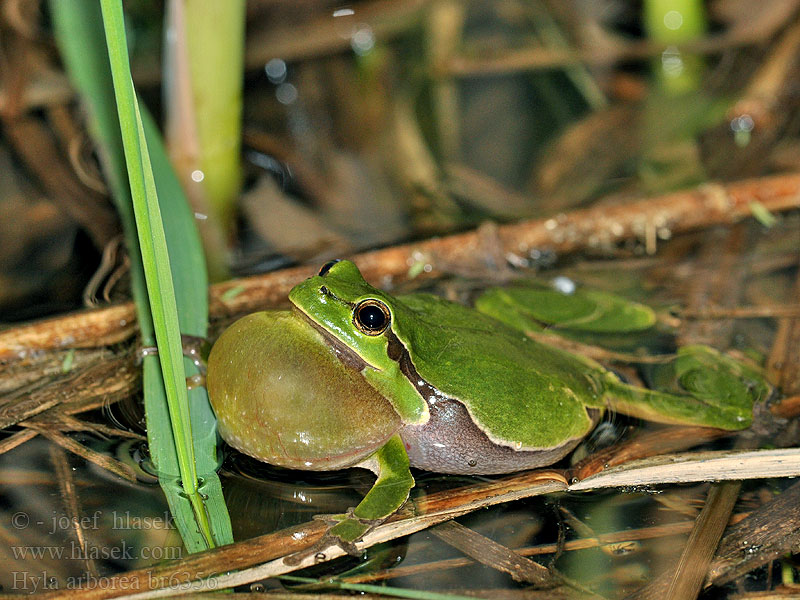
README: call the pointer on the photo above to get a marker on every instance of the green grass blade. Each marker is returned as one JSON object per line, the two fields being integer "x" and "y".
{"x": 155, "y": 258}
{"x": 79, "y": 32}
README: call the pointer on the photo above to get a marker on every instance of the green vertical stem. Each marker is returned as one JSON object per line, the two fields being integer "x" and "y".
{"x": 182, "y": 132}
{"x": 677, "y": 103}
{"x": 676, "y": 22}
{"x": 215, "y": 43}
{"x": 155, "y": 257}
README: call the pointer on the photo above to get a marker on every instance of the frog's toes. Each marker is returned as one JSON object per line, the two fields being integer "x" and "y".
{"x": 347, "y": 529}
{"x": 330, "y": 540}
{"x": 343, "y": 532}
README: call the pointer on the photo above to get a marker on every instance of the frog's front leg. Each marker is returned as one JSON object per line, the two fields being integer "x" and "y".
{"x": 390, "y": 492}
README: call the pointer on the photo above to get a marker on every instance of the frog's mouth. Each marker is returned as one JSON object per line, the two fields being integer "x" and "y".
{"x": 343, "y": 352}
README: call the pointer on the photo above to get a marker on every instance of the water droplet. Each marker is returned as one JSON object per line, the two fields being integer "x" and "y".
{"x": 673, "y": 20}
{"x": 286, "y": 93}
{"x": 198, "y": 176}
{"x": 563, "y": 284}
{"x": 742, "y": 123}
{"x": 363, "y": 40}
{"x": 517, "y": 261}
{"x": 672, "y": 62}
{"x": 276, "y": 70}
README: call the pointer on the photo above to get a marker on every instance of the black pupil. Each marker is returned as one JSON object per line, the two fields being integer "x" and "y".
{"x": 327, "y": 267}
{"x": 372, "y": 317}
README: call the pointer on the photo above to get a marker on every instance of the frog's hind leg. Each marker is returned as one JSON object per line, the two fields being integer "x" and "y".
{"x": 710, "y": 389}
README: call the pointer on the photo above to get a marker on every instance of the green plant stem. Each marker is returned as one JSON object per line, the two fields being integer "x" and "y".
{"x": 155, "y": 257}
{"x": 215, "y": 40}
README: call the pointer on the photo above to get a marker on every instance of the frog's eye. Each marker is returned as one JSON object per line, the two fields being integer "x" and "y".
{"x": 327, "y": 267}
{"x": 371, "y": 317}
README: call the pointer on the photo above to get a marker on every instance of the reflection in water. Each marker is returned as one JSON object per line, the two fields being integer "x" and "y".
{"x": 103, "y": 526}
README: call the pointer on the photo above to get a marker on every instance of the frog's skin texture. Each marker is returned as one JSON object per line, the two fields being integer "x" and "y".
{"x": 284, "y": 396}
{"x": 356, "y": 377}
{"x": 451, "y": 443}
{"x": 522, "y": 394}
{"x": 281, "y": 395}
{"x": 311, "y": 410}
{"x": 535, "y": 306}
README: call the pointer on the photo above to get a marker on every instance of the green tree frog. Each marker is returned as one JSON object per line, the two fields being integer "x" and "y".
{"x": 353, "y": 376}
